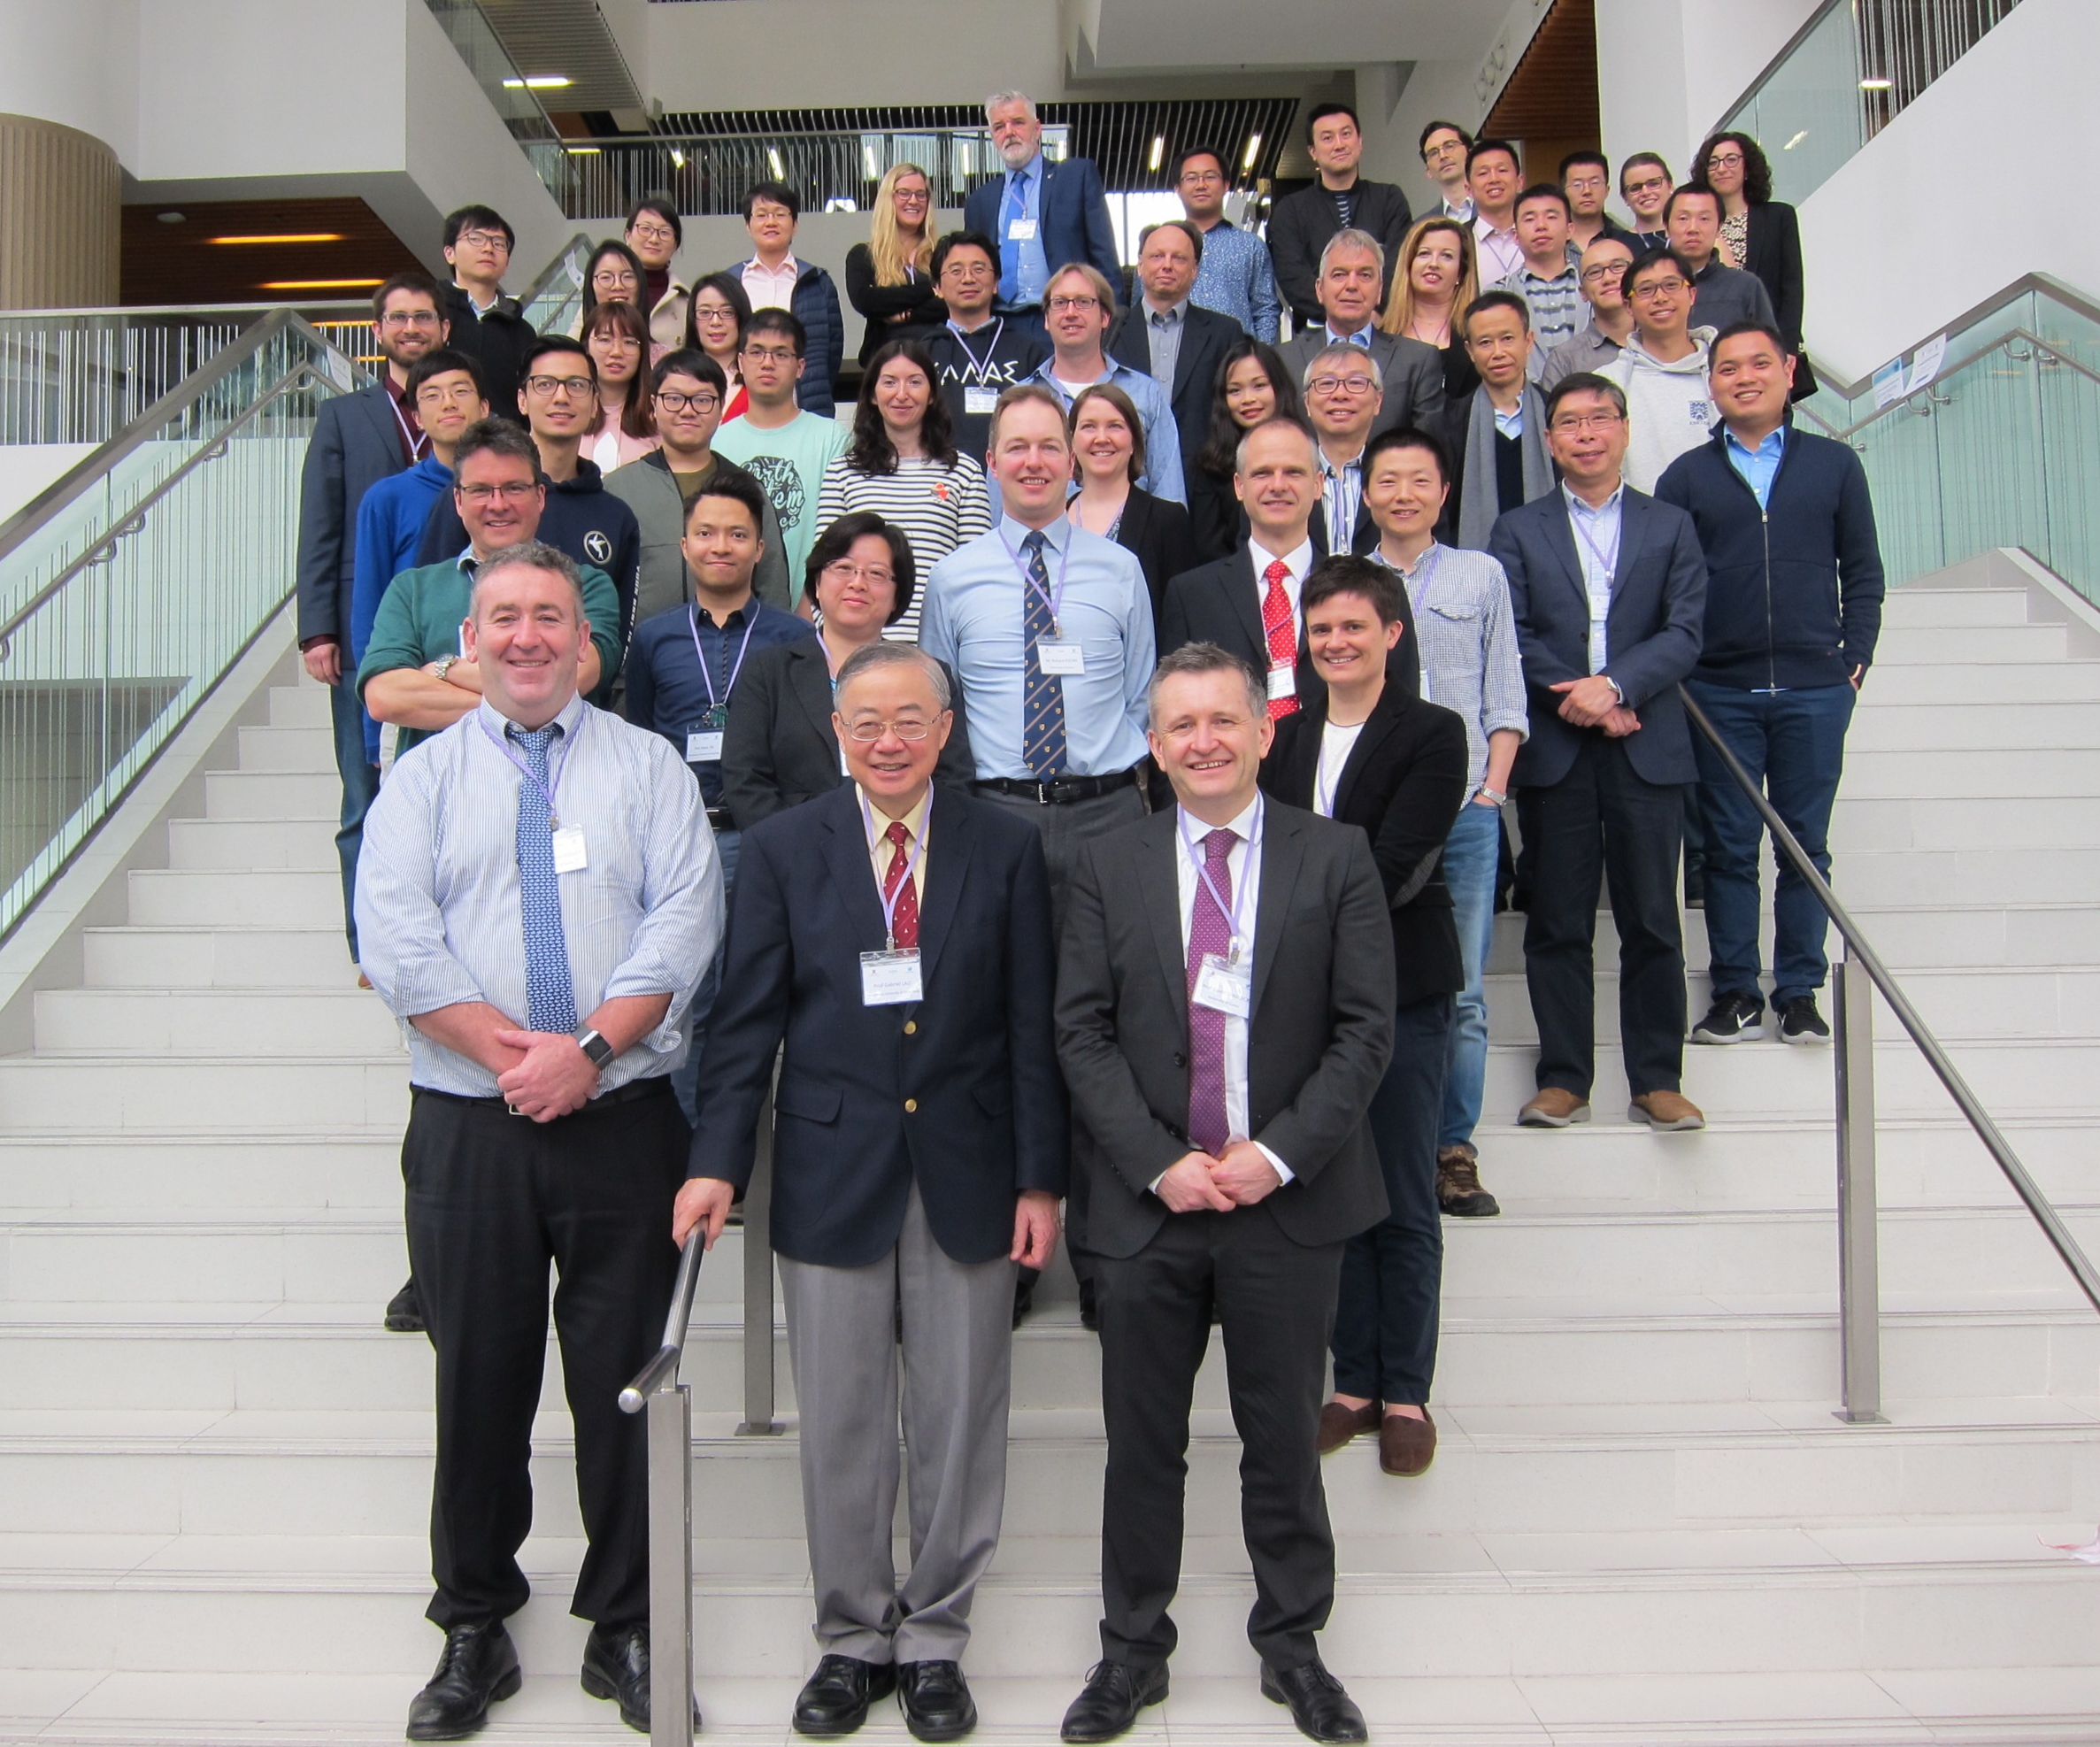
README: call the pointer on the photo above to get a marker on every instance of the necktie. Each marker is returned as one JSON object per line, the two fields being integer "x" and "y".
{"x": 1042, "y": 700}
{"x": 1010, "y": 252}
{"x": 1277, "y": 626}
{"x": 550, "y": 1003}
{"x": 1209, "y": 932}
{"x": 903, "y": 922}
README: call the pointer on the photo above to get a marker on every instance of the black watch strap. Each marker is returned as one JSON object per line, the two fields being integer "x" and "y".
{"x": 598, "y": 1049}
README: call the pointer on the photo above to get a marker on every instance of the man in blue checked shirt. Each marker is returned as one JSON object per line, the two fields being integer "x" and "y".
{"x": 1236, "y": 277}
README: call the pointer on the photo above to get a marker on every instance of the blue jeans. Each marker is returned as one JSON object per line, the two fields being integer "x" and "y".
{"x": 360, "y": 785}
{"x": 1471, "y": 854}
{"x": 1794, "y": 742}
{"x": 685, "y": 1079}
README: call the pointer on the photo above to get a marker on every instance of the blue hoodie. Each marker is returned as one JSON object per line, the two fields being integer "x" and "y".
{"x": 391, "y": 519}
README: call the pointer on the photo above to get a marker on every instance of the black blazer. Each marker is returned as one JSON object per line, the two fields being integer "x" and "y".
{"x": 1773, "y": 252}
{"x": 1363, "y": 539}
{"x": 1215, "y": 518}
{"x": 356, "y": 443}
{"x": 1652, "y": 630}
{"x": 1403, "y": 784}
{"x": 1157, "y": 530}
{"x": 1319, "y": 1040}
{"x": 958, "y": 1093}
{"x": 778, "y": 749}
{"x": 915, "y": 297}
{"x": 1300, "y": 224}
{"x": 1206, "y": 335}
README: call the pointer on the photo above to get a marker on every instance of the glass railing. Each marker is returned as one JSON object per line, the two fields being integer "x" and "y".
{"x": 471, "y": 34}
{"x": 130, "y": 587}
{"x": 554, "y": 300}
{"x": 1853, "y": 67}
{"x": 2000, "y": 447}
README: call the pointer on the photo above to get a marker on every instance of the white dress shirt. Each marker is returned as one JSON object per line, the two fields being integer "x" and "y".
{"x": 771, "y": 288}
{"x": 1596, "y": 550}
{"x": 882, "y": 852}
{"x": 1336, "y": 742}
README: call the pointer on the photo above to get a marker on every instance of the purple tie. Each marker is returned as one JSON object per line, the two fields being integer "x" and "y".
{"x": 1209, "y": 932}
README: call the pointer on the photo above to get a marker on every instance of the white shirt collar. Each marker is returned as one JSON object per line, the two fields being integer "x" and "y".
{"x": 1298, "y": 560}
{"x": 1241, "y": 825}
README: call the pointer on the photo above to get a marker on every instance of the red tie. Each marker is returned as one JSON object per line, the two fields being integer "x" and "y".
{"x": 1281, "y": 632}
{"x": 905, "y": 921}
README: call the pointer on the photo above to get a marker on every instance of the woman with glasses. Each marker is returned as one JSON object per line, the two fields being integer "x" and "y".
{"x": 715, "y": 319}
{"x": 1253, "y": 384}
{"x": 615, "y": 275}
{"x": 890, "y": 279}
{"x": 1758, "y": 233}
{"x": 902, "y": 465}
{"x": 1108, "y": 457}
{"x": 1439, "y": 276}
{"x": 616, "y": 336}
{"x": 780, "y": 749}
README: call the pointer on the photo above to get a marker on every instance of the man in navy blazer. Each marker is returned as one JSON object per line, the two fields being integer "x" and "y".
{"x": 1609, "y": 591}
{"x": 1043, "y": 214}
{"x": 899, "y": 941}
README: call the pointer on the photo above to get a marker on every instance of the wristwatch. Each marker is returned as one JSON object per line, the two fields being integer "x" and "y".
{"x": 595, "y": 1047}
{"x": 1494, "y": 797}
{"x": 443, "y": 665}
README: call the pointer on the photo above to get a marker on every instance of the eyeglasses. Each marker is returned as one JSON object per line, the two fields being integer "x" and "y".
{"x": 408, "y": 319}
{"x": 513, "y": 493}
{"x": 1649, "y": 185}
{"x": 1604, "y": 270}
{"x": 485, "y": 239}
{"x": 867, "y": 733}
{"x": 1060, "y": 304}
{"x": 1725, "y": 160}
{"x": 548, "y": 386}
{"x": 771, "y": 354}
{"x": 430, "y": 395}
{"x": 674, "y": 402}
{"x": 1588, "y": 421}
{"x": 1203, "y": 175}
{"x": 607, "y": 278}
{"x": 1650, "y": 290}
{"x": 1335, "y": 385}
{"x": 654, "y": 234}
{"x": 712, "y": 313}
{"x": 844, "y": 570}
{"x": 916, "y": 197}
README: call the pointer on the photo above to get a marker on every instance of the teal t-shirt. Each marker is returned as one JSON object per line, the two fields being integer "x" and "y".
{"x": 789, "y": 463}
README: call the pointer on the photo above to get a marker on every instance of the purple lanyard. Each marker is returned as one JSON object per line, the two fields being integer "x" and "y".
{"x": 889, "y": 903}
{"x": 418, "y": 441}
{"x": 568, "y": 745}
{"x": 1609, "y": 566}
{"x": 737, "y": 667}
{"x": 1054, "y": 602}
{"x": 1231, "y": 912}
{"x": 981, "y": 371}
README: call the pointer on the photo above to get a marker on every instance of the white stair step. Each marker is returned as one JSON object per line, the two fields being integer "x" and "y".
{"x": 174, "y": 1172}
{"x": 251, "y": 844}
{"x": 243, "y": 794}
{"x": 1915, "y": 609}
{"x": 1904, "y": 646}
{"x": 201, "y": 956}
{"x": 1874, "y": 775}
{"x": 287, "y": 749}
{"x": 214, "y": 1022}
{"x": 2012, "y": 876}
{"x": 2002, "y": 682}
{"x": 104, "y": 1094}
{"x": 1879, "y": 726}
{"x": 277, "y": 898}
{"x": 303, "y": 705}
{"x": 1927, "y": 822}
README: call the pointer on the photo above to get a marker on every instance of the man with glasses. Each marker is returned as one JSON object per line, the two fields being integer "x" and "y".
{"x": 1600, "y": 781}
{"x": 1080, "y": 307}
{"x": 1342, "y": 399}
{"x": 1585, "y": 179}
{"x": 1041, "y": 211}
{"x": 655, "y": 232}
{"x": 782, "y": 446}
{"x": 1611, "y": 323}
{"x": 488, "y": 326}
{"x": 772, "y": 279}
{"x": 1725, "y": 295}
{"x": 1644, "y": 184}
{"x": 1167, "y": 335}
{"x": 1235, "y": 277}
{"x": 1444, "y": 146}
{"x": 977, "y": 355}
{"x": 1351, "y": 291}
{"x": 1662, "y": 369}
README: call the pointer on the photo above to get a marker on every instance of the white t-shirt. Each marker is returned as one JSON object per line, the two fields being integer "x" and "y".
{"x": 1336, "y": 742}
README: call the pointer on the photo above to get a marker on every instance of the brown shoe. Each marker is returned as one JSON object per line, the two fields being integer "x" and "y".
{"x": 1406, "y": 1446}
{"x": 1554, "y": 1107}
{"x": 1339, "y": 1423}
{"x": 1666, "y": 1110}
{"x": 1458, "y": 1191}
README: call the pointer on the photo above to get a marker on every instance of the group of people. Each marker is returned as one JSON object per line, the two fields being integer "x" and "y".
{"x": 1078, "y": 780}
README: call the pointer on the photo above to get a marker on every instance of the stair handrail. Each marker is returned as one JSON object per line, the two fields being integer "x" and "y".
{"x": 1861, "y": 972}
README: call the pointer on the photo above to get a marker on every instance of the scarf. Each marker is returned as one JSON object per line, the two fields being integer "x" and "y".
{"x": 1478, "y": 505}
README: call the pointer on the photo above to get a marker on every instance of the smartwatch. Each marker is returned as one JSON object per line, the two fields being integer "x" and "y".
{"x": 595, "y": 1047}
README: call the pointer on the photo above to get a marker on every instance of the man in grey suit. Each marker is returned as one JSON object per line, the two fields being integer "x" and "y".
{"x": 1225, "y": 1013}
{"x": 358, "y": 440}
{"x": 1351, "y": 291}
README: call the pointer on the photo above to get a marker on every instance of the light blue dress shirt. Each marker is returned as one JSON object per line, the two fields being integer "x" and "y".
{"x": 439, "y": 917}
{"x": 1597, "y": 549}
{"x": 1162, "y": 476}
{"x": 1026, "y": 291}
{"x": 1236, "y": 278}
{"x": 971, "y": 619}
{"x": 1758, "y": 467}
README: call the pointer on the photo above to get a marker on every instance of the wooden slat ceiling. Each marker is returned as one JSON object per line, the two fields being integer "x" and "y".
{"x": 1552, "y": 93}
{"x": 166, "y": 263}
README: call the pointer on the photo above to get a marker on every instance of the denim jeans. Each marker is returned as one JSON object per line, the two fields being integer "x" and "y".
{"x": 685, "y": 1079}
{"x": 360, "y": 785}
{"x": 1471, "y": 854}
{"x": 1794, "y": 742}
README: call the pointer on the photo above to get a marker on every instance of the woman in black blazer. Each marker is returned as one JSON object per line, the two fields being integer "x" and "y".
{"x": 1108, "y": 458}
{"x": 1253, "y": 385}
{"x": 778, "y": 748}
{"x": 1366, "y": 753}
{"x": 1758, "y": 233}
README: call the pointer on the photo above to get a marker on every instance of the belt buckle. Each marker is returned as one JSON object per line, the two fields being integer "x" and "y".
{"x": 512, "y": 1108}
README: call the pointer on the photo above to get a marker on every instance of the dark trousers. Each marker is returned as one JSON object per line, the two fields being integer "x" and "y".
{"x": 1276, "y": 1304}
{"x": 492, "y": 1199}
{"x": 1794, "y": 742}
{"x": 360, "y": 784}
{"x": 1386, "y": 1320}
{"x": 1603, "y": 826}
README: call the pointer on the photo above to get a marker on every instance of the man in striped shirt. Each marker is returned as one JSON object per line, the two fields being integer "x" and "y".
{"x": 1548, "y": 281}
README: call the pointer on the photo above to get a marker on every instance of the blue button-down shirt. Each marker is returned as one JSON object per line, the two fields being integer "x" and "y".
{"x": 1236, "y": 278}
{"x": 1162, "y": 476}
{"x": 1597, "y": 549}
{"x": 439, "y": 917}
{"x": 1758, "y": 467}
{"x": 1026, "y": 290}
{"x": 973, "y": 620}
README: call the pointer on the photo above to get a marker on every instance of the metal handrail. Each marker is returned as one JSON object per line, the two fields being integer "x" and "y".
{"x": 2016, "y": 336}
{"x": 1859, "y": 1321}
{"x": 660, "y": 1370}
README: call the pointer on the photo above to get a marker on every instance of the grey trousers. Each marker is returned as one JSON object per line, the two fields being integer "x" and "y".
{"x": 958, "y": 1351}
{"x": 1065, "y": 829}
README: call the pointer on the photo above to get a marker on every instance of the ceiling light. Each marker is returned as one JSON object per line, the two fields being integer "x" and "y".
{"x": 552, "y": 81}
{"x": 171, "y": 218}
{"x": 320, "y": 284}
{"x": 584, "y": 152}
{"x": 1796, "y": 141}
{"x": 287, "y": 236}
{"x": 1159, "y": 151}
{"x": 780, "y": 171}
{"x": 1247, "y": 157}
{"x": 1876, "y": 84}
{"x": 678, "y": 159}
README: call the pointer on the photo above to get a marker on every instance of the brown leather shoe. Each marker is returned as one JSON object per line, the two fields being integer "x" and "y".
{"x": 1554, "y": 1107}
{"x": 1338, "y": 1424}
{"x": 1669, "y": 1111}
{"x": 1458, "y": 1191}
{"x": 1406, "y": 1446}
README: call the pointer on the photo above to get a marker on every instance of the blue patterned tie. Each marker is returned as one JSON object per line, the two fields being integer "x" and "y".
{"x": 1010, "y": 252}
{"x": 1043, "y": 702}
{"x": 549, "y": 1000}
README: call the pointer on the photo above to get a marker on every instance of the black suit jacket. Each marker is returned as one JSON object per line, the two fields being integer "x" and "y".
{"x": 1652, "y": 630}
{"x": 1403, "y": 782}
{"x": 1157, "y": 530}
{"x": 1302, "y": 223}
{"x": 1319, "y": 1039}
{"x": 1206, "y": 335}
{"x": 356, "y": 443}
{"x": 1773, "y": 252}
{"x": 958, "y": 1093}
{"x": 778, "y": 749}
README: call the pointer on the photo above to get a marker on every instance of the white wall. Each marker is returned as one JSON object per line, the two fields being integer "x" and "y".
{"x": 76, "y": 64}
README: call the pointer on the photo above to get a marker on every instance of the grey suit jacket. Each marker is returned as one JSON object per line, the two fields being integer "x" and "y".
{"x": 1412, "y": 373}
{"x": 355, "y": 444}
{"x": 1320, "y": 1037}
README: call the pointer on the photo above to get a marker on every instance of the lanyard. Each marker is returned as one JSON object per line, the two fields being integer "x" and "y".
{"x": 981, "y": 369}
{"x": 889, "y": 903}
{"x": 1054, "y": 601}
{"x": 1231, "y": 912}
{"x": 418, "y": 442}
{"x": 1608, "y": 564}
{"x": 706, "y": 676}
{"x": 568, "y": 744}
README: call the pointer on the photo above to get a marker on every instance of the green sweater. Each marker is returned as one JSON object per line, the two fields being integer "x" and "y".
{"x": 420, "y": 614}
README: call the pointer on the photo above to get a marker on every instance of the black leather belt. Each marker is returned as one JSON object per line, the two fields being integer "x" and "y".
{"x": 1059, "y": 791}
{"x": 655, "y": 1086}
{"x": 720, "y": 817}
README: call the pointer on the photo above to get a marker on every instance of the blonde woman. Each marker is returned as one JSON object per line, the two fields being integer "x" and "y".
{"x": 1438, "y": 275}
{"x": 890, "y": 279}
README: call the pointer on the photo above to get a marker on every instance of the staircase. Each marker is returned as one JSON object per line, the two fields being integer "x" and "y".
{"x": 1645, "y": 1524}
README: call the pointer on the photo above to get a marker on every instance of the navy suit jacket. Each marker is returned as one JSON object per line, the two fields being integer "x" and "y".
{"x": 355, "y": 444}
{"x": 1075, "y": 225}
{"x": 1652, "y": 630}
{"x": 959, "y": 1092}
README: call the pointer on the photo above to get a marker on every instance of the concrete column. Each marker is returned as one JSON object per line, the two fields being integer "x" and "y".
{"x": 60, "y": 191}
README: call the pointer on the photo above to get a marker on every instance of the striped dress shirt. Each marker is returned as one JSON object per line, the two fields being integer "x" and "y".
{"x": 1465, "y": 635}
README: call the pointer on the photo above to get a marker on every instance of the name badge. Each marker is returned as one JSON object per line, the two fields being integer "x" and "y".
{"x": 1062, "y": 658}
{"x": 1224, "y": 987}
{"x": 980, "y": 403}
{"x": 704, "y": 747}
{"x": 1283, "y": 680}
{"x": 568, "y": 849}
{"x": 887, "y": 979}
{"x": 1021, "y": 230}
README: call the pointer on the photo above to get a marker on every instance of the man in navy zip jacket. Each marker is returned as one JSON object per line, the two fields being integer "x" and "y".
{"x": 1792, "y": 608}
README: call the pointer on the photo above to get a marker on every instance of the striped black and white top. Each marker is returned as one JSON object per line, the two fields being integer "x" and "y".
{"x": 939, "y": 509}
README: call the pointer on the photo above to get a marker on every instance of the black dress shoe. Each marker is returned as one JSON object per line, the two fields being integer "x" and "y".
{"x": 479, "y": 1666}
{"x": 936, "y": 1700}
{"x": 616, "y": 1666}
{"x": 1112, "y": 1698}
{"x": 835, "y": 1700}
{"x": 1318, "y": 1704}
{"x": 404, "y": 1310}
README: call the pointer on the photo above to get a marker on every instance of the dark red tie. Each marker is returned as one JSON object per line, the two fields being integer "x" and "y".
{"x": 903, "y": 927}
